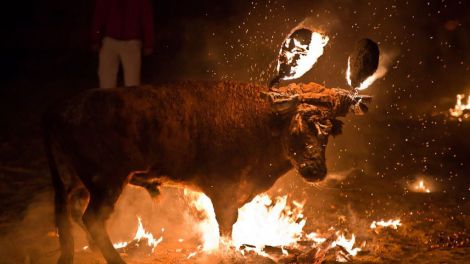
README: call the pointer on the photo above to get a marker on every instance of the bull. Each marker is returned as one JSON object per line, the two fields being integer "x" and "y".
{"x": 229, "y": 140}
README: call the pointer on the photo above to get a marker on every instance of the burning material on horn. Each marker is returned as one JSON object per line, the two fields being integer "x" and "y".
{"x": 362, "y": 64}
{"x": 299, "y": 52}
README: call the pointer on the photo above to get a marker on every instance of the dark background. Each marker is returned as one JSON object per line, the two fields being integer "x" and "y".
{"x": 46, "y": 55}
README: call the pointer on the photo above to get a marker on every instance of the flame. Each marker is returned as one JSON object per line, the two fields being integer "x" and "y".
{"x": 390, "y": 223}
{"x": 348, "y": 72}
{"x": 264, "y": 222}
{"x": 140, "y": 235}
{"x": 208, "y": 226}
{"x": 346, "y": 244}
{"x": 420, "y": 185}
{"x": 309, "y": 55}
{"x": 459, "y": 108}
{"x": 384, "y": 61}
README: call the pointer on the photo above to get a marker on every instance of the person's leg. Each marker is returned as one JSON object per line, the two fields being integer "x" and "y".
{"x": 108, "y": 64}
{"x": 131, "y": 58}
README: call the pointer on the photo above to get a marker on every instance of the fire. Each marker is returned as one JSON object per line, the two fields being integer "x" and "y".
{"x": 208, "y": 226}
{"x": 461, "y": 110}
{"x": 264, "y": 222}
{"x": 302, "y": 57}
{"x": 420, "y": 186}
{"x": 141, "y": 235}
{"x": 347, "y": 245}
{"x": 384, "y": 62}
{"x": 390, "y": 223}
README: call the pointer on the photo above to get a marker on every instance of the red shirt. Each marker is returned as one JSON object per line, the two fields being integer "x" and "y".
{"x": 123, "y": 20}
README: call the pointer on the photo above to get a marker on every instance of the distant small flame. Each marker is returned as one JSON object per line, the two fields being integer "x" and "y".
{"x": 421, "y": 186}
{"x": 459, "y": 108}
{"x": 390, "y": 223}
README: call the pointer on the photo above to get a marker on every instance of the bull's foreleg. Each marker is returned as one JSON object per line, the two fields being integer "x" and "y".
{"x": 102, "y": 199}
{"x": 226, "y": 213}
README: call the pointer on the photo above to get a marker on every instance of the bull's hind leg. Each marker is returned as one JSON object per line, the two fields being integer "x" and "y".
{"x": 79, "y": 198}
{"x": 103, "y": 196}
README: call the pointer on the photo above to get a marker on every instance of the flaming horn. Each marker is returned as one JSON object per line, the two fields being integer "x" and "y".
{"x": 298, "y": 53}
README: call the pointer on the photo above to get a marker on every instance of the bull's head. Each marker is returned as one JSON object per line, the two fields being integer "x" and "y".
{"x": 311, "y": 111}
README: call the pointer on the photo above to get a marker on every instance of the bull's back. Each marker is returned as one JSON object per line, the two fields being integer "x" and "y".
{"x": 135, "y": 126}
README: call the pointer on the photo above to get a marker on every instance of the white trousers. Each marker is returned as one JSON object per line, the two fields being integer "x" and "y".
{"x": 113, "y": 52}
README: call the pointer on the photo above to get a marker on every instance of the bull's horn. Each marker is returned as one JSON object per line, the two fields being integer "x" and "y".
{"x": 280, "y": 102}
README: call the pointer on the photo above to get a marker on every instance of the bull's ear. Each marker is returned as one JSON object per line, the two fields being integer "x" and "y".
{"x": 280, "y": 102}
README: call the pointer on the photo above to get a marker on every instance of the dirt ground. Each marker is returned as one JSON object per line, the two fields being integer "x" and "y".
{"x": 367, "y": 182}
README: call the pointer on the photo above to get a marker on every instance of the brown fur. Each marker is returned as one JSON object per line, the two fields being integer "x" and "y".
{"x": 217, "y": 137}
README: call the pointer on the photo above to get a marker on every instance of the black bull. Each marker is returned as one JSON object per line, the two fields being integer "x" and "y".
{"x": 229, "y": 140}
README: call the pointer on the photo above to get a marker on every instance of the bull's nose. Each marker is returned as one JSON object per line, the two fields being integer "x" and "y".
{"x": 313, "y": 171}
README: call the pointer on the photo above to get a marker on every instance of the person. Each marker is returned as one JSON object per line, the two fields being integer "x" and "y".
{"x": 122, "y": 31}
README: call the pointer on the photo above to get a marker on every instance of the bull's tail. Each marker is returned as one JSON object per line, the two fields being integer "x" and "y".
{"x": 62, "y": 212}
